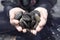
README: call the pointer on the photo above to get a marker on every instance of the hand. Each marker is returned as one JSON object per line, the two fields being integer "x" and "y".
{"x": 15, "y": 22}
{"x": 43, "y": 18}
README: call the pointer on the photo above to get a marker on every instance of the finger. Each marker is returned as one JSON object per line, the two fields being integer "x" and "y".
{"x": 34, "y": 32}
{"x": 41, "y": 24}
{"x": 38, "y": 28}
{"x": 24, "y": 30}
{"x": 14, "y": 22}
{"x": 19, "y": 28}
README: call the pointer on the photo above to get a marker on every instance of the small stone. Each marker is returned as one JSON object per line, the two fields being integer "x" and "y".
{"x": 58, "y": 29}
{"x": 53, "y": 32}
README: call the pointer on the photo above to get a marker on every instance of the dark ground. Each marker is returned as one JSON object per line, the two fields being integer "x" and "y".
{"x": 56, "y": 22}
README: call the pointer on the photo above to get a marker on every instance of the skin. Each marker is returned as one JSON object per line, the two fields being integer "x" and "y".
{"x": 43, "y": 13}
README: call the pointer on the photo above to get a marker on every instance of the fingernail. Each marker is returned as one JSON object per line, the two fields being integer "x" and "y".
{"x": 24, "y": 30}
{"x": 34, "y": 32}
{"x": 19, "y": 28}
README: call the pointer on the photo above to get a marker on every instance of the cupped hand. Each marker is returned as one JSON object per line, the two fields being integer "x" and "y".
{"x": 14, "y": 21}
{"x": 43, "y": 20}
